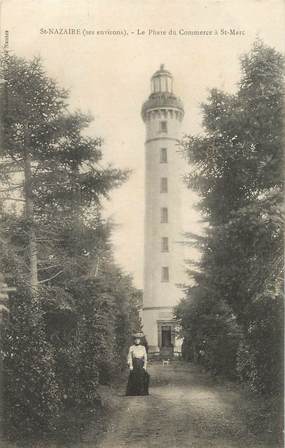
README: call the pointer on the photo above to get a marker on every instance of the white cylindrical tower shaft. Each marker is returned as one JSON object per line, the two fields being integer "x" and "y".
{"x": 163, "y": 256}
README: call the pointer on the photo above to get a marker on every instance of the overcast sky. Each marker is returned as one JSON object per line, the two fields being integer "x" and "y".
{"x": 109, "y": 75}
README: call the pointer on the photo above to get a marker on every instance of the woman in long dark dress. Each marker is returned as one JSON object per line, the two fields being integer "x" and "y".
{"x": 138, "y": 381}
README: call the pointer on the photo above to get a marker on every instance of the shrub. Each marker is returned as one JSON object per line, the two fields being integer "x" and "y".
{"x": 32, "y": 398}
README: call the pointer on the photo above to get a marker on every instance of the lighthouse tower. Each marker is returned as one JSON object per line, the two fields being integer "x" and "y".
{"x": 162, "y": 114}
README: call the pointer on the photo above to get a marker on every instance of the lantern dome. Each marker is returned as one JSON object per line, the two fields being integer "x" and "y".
{"x": 162, "y": 95}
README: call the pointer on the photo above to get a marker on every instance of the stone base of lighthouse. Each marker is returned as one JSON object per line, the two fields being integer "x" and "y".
{"x": 161, "y": 331}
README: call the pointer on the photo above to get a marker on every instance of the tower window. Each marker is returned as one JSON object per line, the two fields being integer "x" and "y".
{"x": 163, "y": 155}
{"x": 165, "y": 274}
{"x": 164, "y": 214}
{"x": 163, "y": 126}
{"x": 164, "y": 244}
{"x": 156, "y": 85}
{"x": 163, "y": 185}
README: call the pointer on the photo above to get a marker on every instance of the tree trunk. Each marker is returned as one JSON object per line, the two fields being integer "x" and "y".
{"x": 77, "y": 200}
{"x": 29, "y": 212}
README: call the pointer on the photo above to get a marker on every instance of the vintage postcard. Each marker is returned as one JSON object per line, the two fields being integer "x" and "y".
{"x": 141, "y": 261}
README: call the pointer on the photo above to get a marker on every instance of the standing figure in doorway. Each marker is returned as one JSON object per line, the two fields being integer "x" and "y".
{"x": 138, "y": 381}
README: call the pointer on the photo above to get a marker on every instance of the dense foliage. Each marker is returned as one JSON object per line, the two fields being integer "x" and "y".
{"x": 232, "y": 315}
{"x": 74, "y": 310}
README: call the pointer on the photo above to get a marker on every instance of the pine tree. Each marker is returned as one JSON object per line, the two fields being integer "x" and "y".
{"x": 237, "y": 170}
{"x": 64, "y": 326}
{"x": 59, "y": 168}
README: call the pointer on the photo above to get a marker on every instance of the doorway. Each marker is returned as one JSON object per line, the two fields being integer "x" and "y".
{"x": 166, "y": 336}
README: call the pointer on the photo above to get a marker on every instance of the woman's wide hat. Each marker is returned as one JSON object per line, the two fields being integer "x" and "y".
{"x": 139, "y": 335}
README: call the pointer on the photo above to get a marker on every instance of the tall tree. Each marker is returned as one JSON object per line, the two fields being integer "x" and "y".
{"x": 237, "y": 170}
{"x": 58, "y": 167}
{"x": 72, "y": 303}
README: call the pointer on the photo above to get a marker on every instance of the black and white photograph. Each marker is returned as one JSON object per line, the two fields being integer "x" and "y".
{"x": 141, "y": 223}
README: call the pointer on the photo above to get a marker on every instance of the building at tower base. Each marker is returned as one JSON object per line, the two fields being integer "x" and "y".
{"x": 163, "y": 249}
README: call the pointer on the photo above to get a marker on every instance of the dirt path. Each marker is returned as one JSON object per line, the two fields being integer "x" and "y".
{"x": 185, "y": 409}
